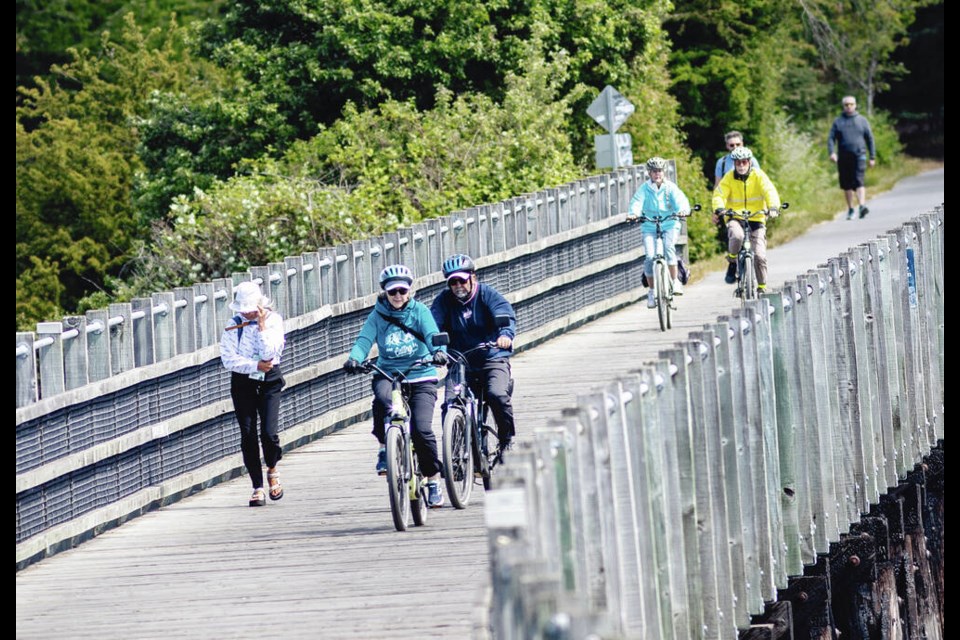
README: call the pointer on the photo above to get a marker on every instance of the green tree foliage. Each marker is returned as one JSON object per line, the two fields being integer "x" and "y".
{"x": 46, "y": 29}
{"x": 916, "y": 100}
{"x": 856, "y": 38}
{"x": 77, "y": 162}
{"x": 728, "y": 63}
{"x": 313, "y": 58}
{"x": 369, "y": 173}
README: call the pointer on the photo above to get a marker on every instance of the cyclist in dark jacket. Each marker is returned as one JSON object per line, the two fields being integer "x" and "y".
{"x": 468, "y": 311}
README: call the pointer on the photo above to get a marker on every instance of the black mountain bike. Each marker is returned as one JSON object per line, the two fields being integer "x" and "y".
{"x": 468, "y": 450}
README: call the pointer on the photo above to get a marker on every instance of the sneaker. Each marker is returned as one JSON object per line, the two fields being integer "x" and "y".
{"x": 863, "y": 210}
{"x": 434, "y": 495}
{"x": 382, "y": 461}
{"x": 850, "y": 213}
{"x": 651, "y": 299}
{"x": 677, "y": 288}
{"x": 731, "y": 276}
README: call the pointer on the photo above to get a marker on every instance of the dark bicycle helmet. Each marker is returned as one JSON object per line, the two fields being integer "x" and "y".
{"x": 741, "y": 153}
{"x": 458, "y": 264}
{"x": 395, "y": 273}
{"x": 656, "y": 163}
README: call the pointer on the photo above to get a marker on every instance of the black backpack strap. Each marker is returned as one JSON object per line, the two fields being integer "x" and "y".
{"x": 416, "y": 334}
{"x": 237, "y": 320}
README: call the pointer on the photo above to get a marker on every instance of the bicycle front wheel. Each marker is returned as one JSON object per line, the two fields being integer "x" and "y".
{"x": 417, "y": 487}
{"x": 661, "y": 281}
{"x": 749, "y": 280}
{"x": 457, "y": 458}
{"x": 397, "y": 478}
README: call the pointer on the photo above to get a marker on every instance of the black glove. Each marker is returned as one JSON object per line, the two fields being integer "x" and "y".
{"x": 352, "y": 366}
{"x": 440, "y": 358}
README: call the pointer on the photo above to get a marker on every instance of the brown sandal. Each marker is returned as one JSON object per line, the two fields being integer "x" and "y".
{"x": 258, "y": 499}
{"x": 276, "y": 489}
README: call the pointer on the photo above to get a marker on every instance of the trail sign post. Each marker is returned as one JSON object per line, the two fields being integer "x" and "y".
{"x": 610, "y": 110}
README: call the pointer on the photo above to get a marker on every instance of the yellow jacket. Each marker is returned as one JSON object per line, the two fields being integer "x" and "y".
{"x": 754, "y": 194}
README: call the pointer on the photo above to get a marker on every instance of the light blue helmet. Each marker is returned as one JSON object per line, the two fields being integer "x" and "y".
{"x": 396, "y": 273}
{"x": 459, "y": 264}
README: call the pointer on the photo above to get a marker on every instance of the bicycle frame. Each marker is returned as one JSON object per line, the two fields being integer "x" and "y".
{"x": 662, "y": 280}
{"x": 474, "y": 409}
{"x": 398, "y": 427}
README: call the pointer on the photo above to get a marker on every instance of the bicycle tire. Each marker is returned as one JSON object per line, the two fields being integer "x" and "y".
{"x": 749, "y": 280}
{"x": 457, "y": 458}
{"x": 417, "y": 488}
{"x": 397, "y": 486}
{"x": 662, "y": 295}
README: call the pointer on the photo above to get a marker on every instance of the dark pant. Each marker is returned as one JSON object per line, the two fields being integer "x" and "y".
{"x": 421, "y": 396}
{"x": 253, "y": 398}
{"x": 492, "y": 383}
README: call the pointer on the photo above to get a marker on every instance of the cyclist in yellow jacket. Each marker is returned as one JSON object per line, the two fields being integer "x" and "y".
{"x": 746, "y": 188}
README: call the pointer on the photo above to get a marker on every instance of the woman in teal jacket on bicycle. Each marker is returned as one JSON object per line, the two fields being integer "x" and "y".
{"x": 658, "y": 198}
{"x": 402, "y": 327}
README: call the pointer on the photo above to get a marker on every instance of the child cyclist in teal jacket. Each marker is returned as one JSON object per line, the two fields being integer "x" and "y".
{"x": 402, "y": 329}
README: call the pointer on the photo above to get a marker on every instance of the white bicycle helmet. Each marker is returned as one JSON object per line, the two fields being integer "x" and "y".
{"x": 741, "y": 153}
{"x": 656, "y": 163}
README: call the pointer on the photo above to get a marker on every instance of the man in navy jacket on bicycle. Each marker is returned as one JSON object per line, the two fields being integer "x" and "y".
{"x": 473, "y": 313}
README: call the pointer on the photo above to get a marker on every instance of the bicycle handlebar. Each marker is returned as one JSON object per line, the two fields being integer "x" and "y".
{"x": 673, "y": 216}
{"x": 744, "y": 215}
{"x": 462, "y": 355}
{"x": 371, "y": 365}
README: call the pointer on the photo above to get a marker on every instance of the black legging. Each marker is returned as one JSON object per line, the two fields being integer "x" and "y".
{"x": 421, "y": 396}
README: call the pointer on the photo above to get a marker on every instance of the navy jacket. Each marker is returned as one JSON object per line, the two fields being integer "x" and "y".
{"x": 474, "y": 321}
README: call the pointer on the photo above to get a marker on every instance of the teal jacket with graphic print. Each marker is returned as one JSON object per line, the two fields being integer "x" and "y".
{"x": 398, "y": 349}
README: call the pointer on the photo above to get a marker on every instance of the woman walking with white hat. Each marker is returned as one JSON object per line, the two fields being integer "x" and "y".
{"x": 250, "y": 348}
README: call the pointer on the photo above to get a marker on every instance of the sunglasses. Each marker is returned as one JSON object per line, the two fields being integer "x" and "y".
{"x": 398, "y": 292}
{"x": 453, "y": 281}
{"x": 849, "y": 104}
{"x": 734, "y": 145}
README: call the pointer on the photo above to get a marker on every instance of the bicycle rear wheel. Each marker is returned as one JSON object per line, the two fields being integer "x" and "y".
{"x": 397, "y": 474}
{"x": 661, "y": 283}
{"x": 457, "y": 458}
{"x": 748, "y": 280}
